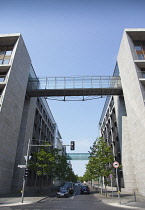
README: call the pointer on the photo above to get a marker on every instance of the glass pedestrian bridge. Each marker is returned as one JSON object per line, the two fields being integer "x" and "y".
{"x": 77, "y": 156}
{"x": 74, "y": 86}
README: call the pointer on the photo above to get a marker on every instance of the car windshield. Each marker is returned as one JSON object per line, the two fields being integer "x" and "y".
{"x": 84, "y": 187}
{"x": 63, "y": 189}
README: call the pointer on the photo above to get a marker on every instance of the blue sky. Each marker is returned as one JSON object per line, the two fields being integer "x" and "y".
{"x": 73, "y": 37}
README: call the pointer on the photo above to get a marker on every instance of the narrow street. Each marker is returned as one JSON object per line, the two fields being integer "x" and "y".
{"x": 74, "y": 202}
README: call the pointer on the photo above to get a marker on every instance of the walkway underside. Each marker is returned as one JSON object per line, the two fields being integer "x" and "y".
{"x": 74, "y": 92}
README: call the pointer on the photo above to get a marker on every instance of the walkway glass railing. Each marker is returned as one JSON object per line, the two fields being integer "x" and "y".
{"x": 74, "y": 82}
{"x": 78, "y": 156}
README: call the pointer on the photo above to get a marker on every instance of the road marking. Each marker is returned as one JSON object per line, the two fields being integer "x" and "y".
{"x": 52, "y": 199}
{"x": 72, "y": 197}
{"x": 123, "y": 206}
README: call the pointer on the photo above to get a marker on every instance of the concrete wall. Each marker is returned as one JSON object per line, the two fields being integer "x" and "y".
{"x": 135, "y": 115}
{"x": 127, "y": 159}
{"x": 26, "y": 131}
{"x": 11, "y": 114}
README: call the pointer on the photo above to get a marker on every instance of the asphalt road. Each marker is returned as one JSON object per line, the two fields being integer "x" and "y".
{"x": 74, "y": 202}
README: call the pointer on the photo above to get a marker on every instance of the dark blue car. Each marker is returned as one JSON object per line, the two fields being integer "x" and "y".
{"x": 63, "y": 192}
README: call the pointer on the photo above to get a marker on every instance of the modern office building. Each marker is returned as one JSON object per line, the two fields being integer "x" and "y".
{"x": 21, "y": 117}
{"x": 122, "y": 123}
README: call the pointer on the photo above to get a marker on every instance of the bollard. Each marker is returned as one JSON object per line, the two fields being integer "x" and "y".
{"x": 134, "y": 197}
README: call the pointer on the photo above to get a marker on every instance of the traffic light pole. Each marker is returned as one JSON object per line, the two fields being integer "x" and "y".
{"x": 71, "y": 145}
{"x": 26, "y": 166}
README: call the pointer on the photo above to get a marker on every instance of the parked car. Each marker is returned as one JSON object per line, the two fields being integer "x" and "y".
{"x": 77, "y": 183}
{"x": 84, "y": 189}
{"x": 70, "y": 186}
{"x": 63, "y": 192}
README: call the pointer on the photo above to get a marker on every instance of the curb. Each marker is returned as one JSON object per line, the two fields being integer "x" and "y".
{"x": 115, "y": 204}
{"x": 24, "y": 203}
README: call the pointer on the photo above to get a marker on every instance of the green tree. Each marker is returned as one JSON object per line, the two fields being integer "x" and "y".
{"x": 100, "y": 163}
{"x": 81, "y": 178}
{"x": 51, "y": 164}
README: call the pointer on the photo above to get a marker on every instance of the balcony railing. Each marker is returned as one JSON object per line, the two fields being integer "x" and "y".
{"x": 141, "y": 74}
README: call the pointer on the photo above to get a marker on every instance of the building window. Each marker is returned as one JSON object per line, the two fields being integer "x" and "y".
{"x": 2, "y": 79}
{"x": 2, "y": 76}
{"x": 5, "y": 54}
{"x": 140, "y": 49}
{"x": 142, "y": 72}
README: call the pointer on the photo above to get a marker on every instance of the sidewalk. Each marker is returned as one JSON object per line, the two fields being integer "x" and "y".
{"x": 125, "y": 200}
{"x": 15, "y": 199}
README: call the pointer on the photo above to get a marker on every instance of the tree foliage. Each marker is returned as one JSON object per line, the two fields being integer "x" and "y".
{"x": 101, "y": 159}
{"x": 51, "y": 163}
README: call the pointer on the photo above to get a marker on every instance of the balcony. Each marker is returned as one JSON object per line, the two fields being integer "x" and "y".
{"x": 141, "y": 75}
{"x": 2, "y": 81}
{"x": 140, "y": 63}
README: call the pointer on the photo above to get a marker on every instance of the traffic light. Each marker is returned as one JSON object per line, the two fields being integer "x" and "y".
{"x": 26, "y": 172}
{"x": 72, "y": 145}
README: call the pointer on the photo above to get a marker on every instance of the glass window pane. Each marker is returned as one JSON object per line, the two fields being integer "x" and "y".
{"x": 138, "y": 48}
{"x": 8, "y": 52}
{"x": 137, "y": 45}
{"x": 2, "y": 52}
{"x": 1, "y": 61}
{"x": 2, "y": 79}
{"x": 143, "y": 45}
{"x": 6, "y": 61}
{"x": 140, "y": 57}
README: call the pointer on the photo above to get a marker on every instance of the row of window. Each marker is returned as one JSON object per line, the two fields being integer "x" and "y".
{"x": 45, "y": 114}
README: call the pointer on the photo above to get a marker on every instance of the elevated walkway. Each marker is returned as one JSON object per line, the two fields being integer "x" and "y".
{"x": 77, "y": 156}
{"x": 74, "y": 86}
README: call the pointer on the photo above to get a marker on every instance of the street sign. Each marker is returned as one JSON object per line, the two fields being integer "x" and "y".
{"x": 21, "y": 166}
{"x": 29, "y": 157}
{"x": 115, "y": 164}
{"x": 110, "y": 175}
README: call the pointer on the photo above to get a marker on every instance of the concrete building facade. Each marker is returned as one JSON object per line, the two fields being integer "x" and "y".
{"x": 122, "y": 123}
{"x": 21, "y": 118}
